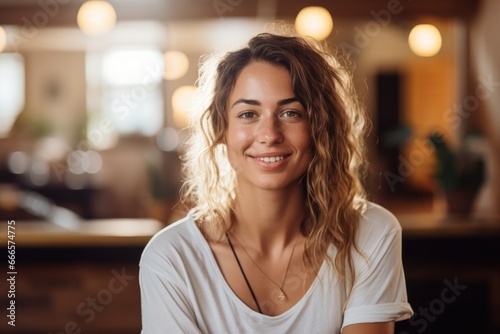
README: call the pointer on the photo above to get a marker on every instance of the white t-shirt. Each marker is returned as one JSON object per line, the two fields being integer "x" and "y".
{"x": 184, "y": 291}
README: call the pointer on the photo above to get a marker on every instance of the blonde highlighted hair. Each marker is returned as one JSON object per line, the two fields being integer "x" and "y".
{"x": 334, "y": 193}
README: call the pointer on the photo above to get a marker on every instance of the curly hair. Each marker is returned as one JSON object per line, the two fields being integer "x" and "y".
{"x": 333, "y": 190}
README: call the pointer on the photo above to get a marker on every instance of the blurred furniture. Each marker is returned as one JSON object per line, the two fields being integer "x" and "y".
{"x": 83, "y": 279}
{"x": 452, "y": 267}
{"x": 87, "y": 278}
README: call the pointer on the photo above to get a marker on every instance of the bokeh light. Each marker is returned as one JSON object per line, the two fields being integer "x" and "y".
{"x": 176, "y": 65}
{"x": 425, "y": 40}
{"x": 314, "y": 21}
{"x": 167, "y": 139}
{"x": 96, "y": 17}
{"x": 182, "y": 101}
{"x": 40, "y": 173}
{"x": 18, "y": 162}
{"x": 91, "y": 162}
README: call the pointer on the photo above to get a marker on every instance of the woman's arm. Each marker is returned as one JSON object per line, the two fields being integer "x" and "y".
{"x": 378, "y": 295}
{"x": 370, "y": 328}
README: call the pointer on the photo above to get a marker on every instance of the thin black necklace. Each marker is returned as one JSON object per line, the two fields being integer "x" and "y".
{"x": 243, "y": 272}
{"x": 281, "y": 296}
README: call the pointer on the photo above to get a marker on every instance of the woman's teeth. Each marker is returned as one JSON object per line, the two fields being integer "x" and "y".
{"x": 272, "y": 159}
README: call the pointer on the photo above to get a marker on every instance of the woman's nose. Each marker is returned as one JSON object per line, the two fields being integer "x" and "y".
{"x": 270, "y": 131}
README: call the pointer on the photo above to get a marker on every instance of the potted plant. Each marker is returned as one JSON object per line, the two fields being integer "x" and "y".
{"x": 460, "y": 173}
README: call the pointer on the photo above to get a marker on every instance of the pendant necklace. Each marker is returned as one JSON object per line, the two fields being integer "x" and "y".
{"x": 281, "y": 295}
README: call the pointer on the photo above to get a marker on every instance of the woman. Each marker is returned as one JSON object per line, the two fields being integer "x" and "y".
{"x": 280, "y": 238}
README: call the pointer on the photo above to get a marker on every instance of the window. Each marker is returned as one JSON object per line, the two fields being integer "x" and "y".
{"x": 124, "y": 94}
{"x": 11, "y": 90}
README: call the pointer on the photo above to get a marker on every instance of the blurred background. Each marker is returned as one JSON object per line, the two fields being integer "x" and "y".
{"x": 93, "y": 103}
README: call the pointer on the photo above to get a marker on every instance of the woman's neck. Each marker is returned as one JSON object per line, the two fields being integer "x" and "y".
{"x": 268, "y": 219}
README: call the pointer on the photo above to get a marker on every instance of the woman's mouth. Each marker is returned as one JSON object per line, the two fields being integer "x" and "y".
{"x": 272, "y": 159}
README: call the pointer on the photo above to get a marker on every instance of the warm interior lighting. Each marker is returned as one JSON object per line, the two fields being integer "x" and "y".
{"x": 182, "y": 99}
{"x": 3, "y": 39}
{"x": 176, "y": 65}
{"x": 425, "y": 40}
{"x": 314, "y": 21}
{"x": 96, "y": 17}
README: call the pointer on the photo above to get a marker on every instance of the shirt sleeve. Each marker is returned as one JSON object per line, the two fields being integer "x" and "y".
{"x": 165, "y": 306}
{"x": 379, "y": 291}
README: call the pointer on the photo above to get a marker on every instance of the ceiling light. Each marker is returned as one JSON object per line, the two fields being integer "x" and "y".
{"x": 425, "y": 40}
{"x": 314, "y": 21}
{"x": 96, "y": 17}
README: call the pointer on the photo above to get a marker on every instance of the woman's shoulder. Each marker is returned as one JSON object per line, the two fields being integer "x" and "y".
{"x": 173, "y": 243}
{"x": 377, "y": 222}
{"x": 179, "y": 229}
{"x": 378, "y": 216}
{"x": 378, "y": 229}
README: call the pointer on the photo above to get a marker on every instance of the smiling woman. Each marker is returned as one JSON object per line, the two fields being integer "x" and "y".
{"x": 280, "y": 237}
{"x": 267, "y": 139}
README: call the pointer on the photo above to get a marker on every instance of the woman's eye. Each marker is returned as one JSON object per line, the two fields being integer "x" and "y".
{"x": 247, "y": 115}
{"x": 291, "y": 114}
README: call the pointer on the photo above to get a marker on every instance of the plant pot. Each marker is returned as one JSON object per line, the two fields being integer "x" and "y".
{"x": 460, "y": 201}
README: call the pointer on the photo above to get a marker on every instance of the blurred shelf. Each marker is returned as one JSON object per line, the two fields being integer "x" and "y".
{"x": 89, "y": 233}
{"x": 430, "y": 225}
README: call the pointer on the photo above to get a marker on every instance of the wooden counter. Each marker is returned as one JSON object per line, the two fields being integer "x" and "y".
{"x": 137, "y": 232}
{"x": 443, "y": 226}
{"x": 91, "y": 233}
{"x": 63, "y": 272}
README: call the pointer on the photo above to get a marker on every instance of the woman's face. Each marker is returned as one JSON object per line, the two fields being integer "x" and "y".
{"x": 267, "y": 138}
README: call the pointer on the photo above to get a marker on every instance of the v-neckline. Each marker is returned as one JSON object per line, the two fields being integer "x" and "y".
{"x": 234, "y": 296}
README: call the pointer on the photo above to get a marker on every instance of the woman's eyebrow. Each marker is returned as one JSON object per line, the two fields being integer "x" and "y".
{"x": 246, "y": 101}
{"x": 288, "y": 101}
{"x": 258, "y": 103}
